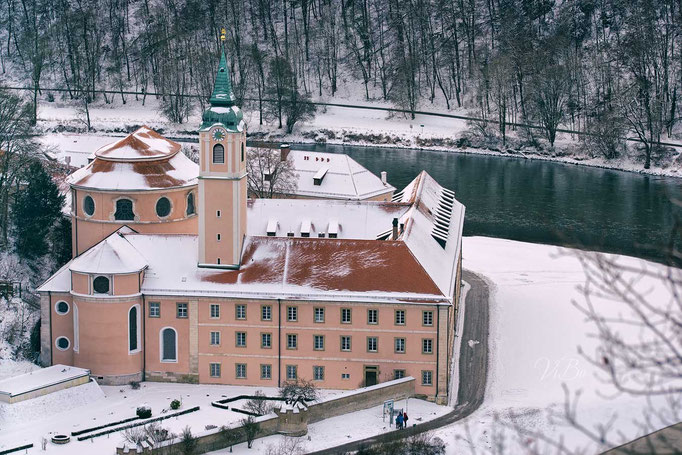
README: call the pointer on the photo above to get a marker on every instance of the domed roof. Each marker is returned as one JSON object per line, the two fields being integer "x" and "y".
{"x": 143, "y": 144}
{"x": 230, "y": 117}
{"x": 144, "y": 160}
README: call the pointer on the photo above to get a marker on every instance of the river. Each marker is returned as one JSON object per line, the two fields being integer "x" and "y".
{"x": 541, "y": 201}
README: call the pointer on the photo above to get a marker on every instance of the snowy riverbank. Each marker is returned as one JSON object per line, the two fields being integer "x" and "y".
{"x": 535, "y": 333}
{"x": 342, "y": 126}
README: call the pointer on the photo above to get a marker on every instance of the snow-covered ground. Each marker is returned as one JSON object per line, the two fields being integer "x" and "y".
{"x": 535, "y": 332}
{"x": 334, "y": 125}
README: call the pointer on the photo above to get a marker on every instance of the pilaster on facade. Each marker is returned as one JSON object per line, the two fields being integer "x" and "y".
{"x": 45, "y": 330}
{"x": 194, "y": 337}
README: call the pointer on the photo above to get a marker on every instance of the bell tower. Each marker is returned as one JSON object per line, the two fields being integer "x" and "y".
{"x": 222, "y": 176}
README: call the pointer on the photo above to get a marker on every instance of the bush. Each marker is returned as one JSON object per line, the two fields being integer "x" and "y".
{"x": 300, "y": 388}
{"x": 144, "y": 412}
{"x": 175, "y": 404}
{"x": 135, "y": 385}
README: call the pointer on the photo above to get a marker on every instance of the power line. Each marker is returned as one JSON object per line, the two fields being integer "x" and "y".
{"x": 351, "y": 106}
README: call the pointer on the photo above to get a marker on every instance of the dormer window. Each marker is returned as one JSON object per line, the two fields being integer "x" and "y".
{"x": 124, "y": 210}
{"x": 100, "y": 285}
{"x": 218, "y": 154}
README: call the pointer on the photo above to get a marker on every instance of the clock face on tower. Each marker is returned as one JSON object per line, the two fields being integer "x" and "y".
{"x": 218, "y": 134}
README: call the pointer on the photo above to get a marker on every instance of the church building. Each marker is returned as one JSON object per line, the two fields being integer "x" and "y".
{"x": 178, "y": 276}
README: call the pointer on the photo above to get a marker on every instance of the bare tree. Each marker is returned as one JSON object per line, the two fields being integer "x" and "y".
{"x": 268, "y": 174}
{"x": 259, "y": 404}
{"x": 251, "y": 429}
{"x": 300, "y": 388}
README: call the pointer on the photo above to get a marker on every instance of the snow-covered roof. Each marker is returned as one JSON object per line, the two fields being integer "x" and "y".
{"x": 39, "y": 379}
{"x": 136, "y": 175}
{"x": 420, "y": 266}
{"x": 341, "y": 176}
{"x": 144, "y": 144}
{"x": 348, "y": 219}
{"x": 112, "y": 255}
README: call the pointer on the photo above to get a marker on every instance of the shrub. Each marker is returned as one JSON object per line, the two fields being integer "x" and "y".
{"x": 175, "y": 404}
{"x": 188, "y": 443}
{"x": 144, "y": 412}
{"x": 135, "y": 385}
{"x": 299, "y": 388}
{"x": 251, "y": 429}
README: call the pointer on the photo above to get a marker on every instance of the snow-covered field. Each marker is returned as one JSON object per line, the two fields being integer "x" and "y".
{"x": 347, "y": 125}
{"x": 535, "y": 332}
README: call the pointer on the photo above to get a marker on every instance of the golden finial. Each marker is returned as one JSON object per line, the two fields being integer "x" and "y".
{"x": 222, "y": 34}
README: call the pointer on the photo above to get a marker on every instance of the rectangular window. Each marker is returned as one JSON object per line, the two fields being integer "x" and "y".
{"x": 214, "y": 370}
{"x": 345, "y": 375}
{"x": 319, "y": 314}
{"x": 292, "y": 372}
{"x": 427, "y": 346}
{"x": 345, "y": 343}
{"x": 240, "y": 311}
{"x": 215, "y": 338}
{"x": 215, "y": 311}
{"x": 292, "y": 341}
{"x": 318, "y": 342}
{"x": 318, "y": 373}
{"x": 372, "y": 316}
{"x": 427, "y": 377}
{"x": 265, "y": 340}
{"x": 398, "y": 374}
{"x": 427, "y": 317}
{"x": 240, "y": 370}
{"x": 400, "y": 345}
{"x": 292, "y": 313}
{"x": 154, "y": 309}
{"x": 345, "y": 316}
{"x": 217, "y": 213}
{"x": 241, "y": 339}
{"x": 266, "y": 313}
{"x": 372, "y": 344}
{"x": 266, "y": 371}
{"x": 181, "y": 310}
{"x": 400, "y": 317}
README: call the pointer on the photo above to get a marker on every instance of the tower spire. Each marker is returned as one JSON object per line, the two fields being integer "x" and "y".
{"x": 222, "y": 89}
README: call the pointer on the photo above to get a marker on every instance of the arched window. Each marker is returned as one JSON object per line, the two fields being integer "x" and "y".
{"x": 124, "y": 210}
{"x": 169, "y": 345}
{"x": 163, "y": 207}
{"x": 61, "y": 307}
{"x": 100, "y": 285}
{"x": 133, "y": 329}
{"x": 76, "y": 334}
{"x": 89, "y": 205}
{"x": 190, "y": 204}
{"x": 242, "y": 152}
{"x": 218, "y": 154}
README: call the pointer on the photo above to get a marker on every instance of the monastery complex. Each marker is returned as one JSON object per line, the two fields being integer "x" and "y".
{"x": 178, "y": 276}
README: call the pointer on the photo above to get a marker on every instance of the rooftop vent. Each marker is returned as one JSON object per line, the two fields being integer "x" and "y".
{"x": 441, "y": 219}
{"x": 272, "y": 227}
{"x": 319, "y": 175}
{"x": 305, "y": 228}
{"x": 333, "y": 229}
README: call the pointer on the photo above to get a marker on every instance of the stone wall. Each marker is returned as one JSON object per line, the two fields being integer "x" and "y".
{"x": 351, "y": 401}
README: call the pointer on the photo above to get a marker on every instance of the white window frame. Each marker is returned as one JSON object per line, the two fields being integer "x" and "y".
{"x": 236, "y": 339}
{"x": 68, "y": 307}
{"x": 350, "y": 343}
{"x": 156, "y": 305}
{"x": 376, "y": 344}
{"x": 214, "y": 339}
{"x": 237, "y": 309}
{"x": 213, "y": 368}
{"x": 210, "y": 310}
{"x": 315, "y": 312}
{"x": 92, "y": 284}
{"x": 236, "y": 370}
{"x": 317, "y": 368}
{"x": 56, "y": 345}
{"x": 375, "y": 312}
{"x": 269, "y": 376}
{"x": 294, "y": 369}
{"x": 292, "y": 309}
{"x": 263, "y": 310}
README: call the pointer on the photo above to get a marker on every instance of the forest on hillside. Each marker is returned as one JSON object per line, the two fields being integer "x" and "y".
{"x": 612, "y": 68}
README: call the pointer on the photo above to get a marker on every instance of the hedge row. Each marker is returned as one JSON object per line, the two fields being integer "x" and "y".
{"x": 16, "y": 449}
{"x": 88, "y": 430}
{"x": 132, "y": 425}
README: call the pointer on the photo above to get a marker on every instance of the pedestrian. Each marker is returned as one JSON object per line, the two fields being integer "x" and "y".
{"x": 399, "y": 421}
{"x": 405, "y": 419}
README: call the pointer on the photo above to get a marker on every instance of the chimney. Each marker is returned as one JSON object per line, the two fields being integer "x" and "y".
{"x": 395, "y": 229}
{"x": 383, "y": 178}
{"x": 284, "y": 150}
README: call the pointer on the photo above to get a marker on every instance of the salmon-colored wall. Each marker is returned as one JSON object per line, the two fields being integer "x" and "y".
{"x": 62, "y": 325}
{"x": 152, "y": 342}
{"x": 305, "y": 357}
{"x": 103, "y": 336}
{"x": 89, "y": 230}
{"x": 127, "y": 284}
{"x": 80, "y": 283}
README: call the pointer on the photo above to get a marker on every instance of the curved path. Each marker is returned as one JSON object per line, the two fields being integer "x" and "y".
{"x": 473, "y": 370}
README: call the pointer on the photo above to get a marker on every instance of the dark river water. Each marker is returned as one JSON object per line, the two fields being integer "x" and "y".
{"x": 540, "y": 201}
